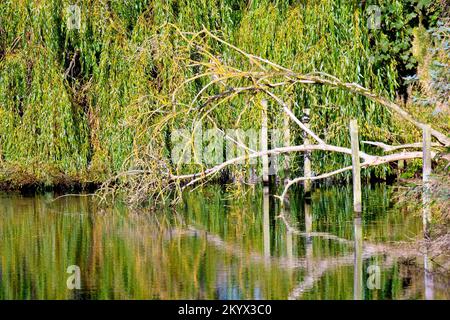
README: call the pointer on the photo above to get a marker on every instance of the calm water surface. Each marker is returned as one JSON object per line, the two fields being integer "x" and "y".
{"x": 213, "y": 246}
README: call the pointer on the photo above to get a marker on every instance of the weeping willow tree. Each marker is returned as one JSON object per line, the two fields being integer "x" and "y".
{"x": 86, "y": 102}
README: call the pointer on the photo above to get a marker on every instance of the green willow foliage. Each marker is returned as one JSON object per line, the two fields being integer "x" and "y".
{"x": 78, "y": 103}
{"x": 398, "y": 20}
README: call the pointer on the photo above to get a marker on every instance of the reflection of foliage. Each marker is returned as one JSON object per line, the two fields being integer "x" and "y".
{"x": 141, "y": 255}
{"x": 440, "y": 198}
{"x": 411, "y": 199}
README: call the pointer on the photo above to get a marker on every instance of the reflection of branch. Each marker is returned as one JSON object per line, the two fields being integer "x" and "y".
{"x": 320, "y": 267}
{"x": 219, "y": 243}
{"x": 316, "y": 273}
{"x": 325, "y": 235}
{"x": 370, "y": 249}
{"x": 316, "y": 268}
{"x": 293, "y": 117}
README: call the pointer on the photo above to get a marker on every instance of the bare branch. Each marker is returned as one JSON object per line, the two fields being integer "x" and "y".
{"x": 373, "y": 161}
{"x": 300, "y": 148}
{"x": 293, "y": 117}
{"x": 388, "y": 148}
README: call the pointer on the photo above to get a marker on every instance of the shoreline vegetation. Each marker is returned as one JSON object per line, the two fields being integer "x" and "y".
{"x": 93, "y": 94}
{"x": 80, "y": 101}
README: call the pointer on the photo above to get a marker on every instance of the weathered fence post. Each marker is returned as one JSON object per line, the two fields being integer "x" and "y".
{"x": 307, "y": 160}
{"x": 400, "y": 167}
{"x": 426, "y": 172}
{"x": 264, "y": 141}
{"x": 426, "y": 210}
{"x": 356, "y": 166}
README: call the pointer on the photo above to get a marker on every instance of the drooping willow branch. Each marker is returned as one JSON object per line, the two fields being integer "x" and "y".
{"x": 262, "y": 79}
{"x": 268, "y": 77}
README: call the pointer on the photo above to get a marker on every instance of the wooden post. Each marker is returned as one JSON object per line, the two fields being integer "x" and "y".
{"x": 400, "y": 167}
{"x": 426, "y": 172}
{"x": 264, "y": 142}
{"x": 426, "y": 213}
{"x": 307, "y": 160}
{"x": 426, "y": 153}
{"x": 308, "y": 217}
{"x": 356, "y": 166}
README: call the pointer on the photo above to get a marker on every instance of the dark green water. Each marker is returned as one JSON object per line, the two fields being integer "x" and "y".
{"x": 215, "y": 247}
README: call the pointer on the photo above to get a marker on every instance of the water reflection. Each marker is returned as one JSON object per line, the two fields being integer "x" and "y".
{"x": 266, "y": 222}
{"x": 428, "y": 277}
{"x": 426, "y": 220}
{"x": 358, "y": 264}
{"x": 210, "y": 247}
{"x": 308, "y": 239}
{"x": 289, "y": 246}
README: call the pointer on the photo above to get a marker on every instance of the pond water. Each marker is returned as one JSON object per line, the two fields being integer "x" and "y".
{"x": 215, "y": 246}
